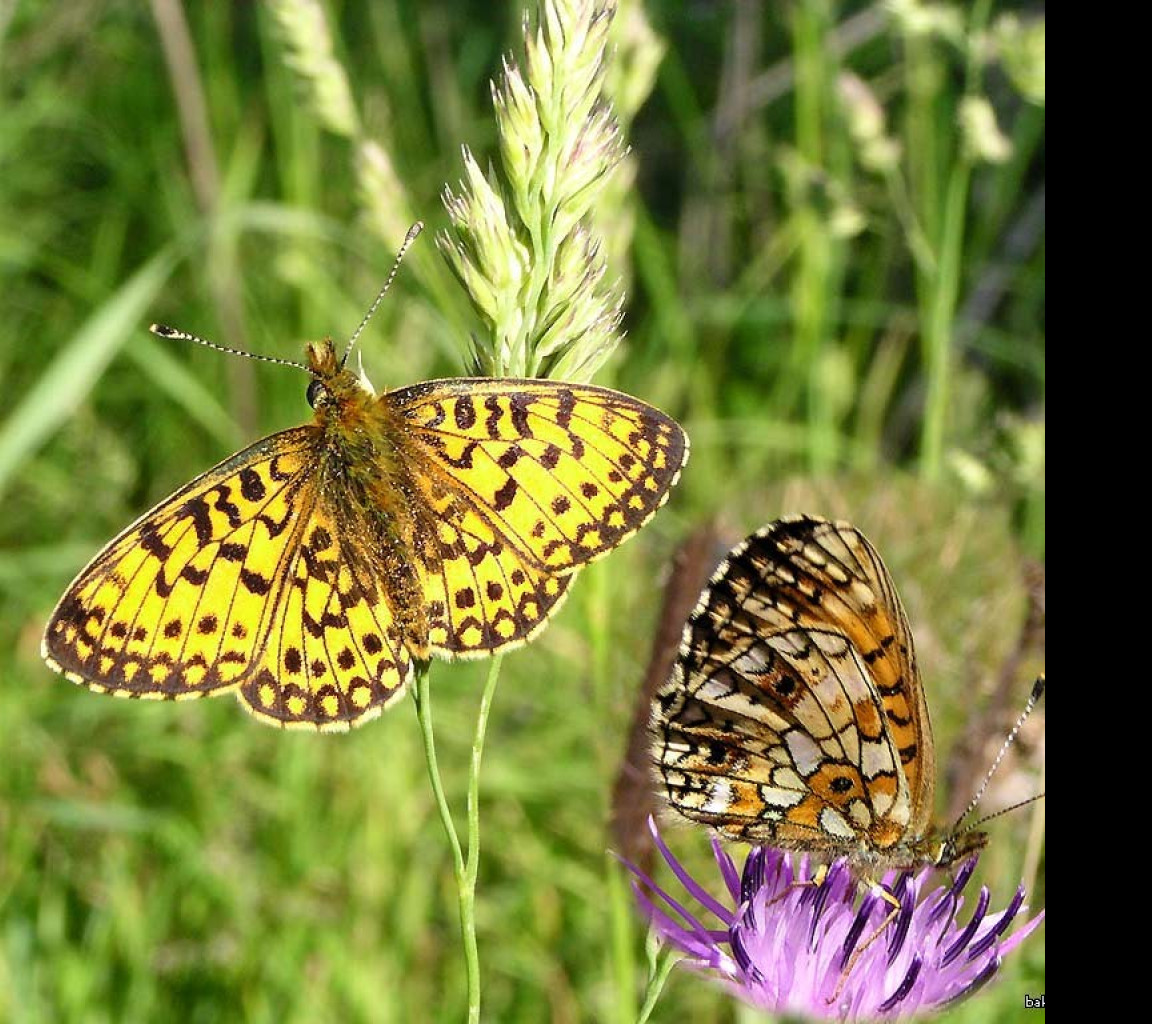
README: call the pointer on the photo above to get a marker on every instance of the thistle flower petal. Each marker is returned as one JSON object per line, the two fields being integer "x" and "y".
{"x": 789, "y": 945}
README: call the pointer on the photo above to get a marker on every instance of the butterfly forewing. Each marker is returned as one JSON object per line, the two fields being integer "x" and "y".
{"x": 172, "y": 606}
{"x": 236, "y": 580}
{"x": 530, "y": 480}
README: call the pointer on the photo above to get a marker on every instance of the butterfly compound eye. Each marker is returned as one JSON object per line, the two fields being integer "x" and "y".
{"x": 316, "y": 392}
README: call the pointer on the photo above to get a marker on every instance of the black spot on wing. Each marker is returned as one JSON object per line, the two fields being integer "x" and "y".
{"x": 495, "y": 414}
{"x": 464, "y": 412}
{"x": 251, "y": 486}
{"x": 231, "y": 552}
{"x": 254, "y": 582}
{"x": 511, "y": 455}
{"x": 153, "y": 543}
{"x": 520, "y": 406}
{"x": 225, "y": 505}
{"x": 505, "y": 495}
{"x": 197, "y": 510}
{"x": 565, "y": 406}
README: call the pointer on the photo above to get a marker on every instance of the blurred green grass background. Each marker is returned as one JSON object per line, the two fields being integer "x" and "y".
{"x": 835, "y": 272}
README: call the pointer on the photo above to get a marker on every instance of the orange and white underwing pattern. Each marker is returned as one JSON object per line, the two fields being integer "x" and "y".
{"x": 795, "y": 715}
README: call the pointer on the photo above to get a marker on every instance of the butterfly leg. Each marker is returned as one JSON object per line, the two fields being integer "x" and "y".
{"x": 814, "y": 882}
{"x": 853, "y": 958}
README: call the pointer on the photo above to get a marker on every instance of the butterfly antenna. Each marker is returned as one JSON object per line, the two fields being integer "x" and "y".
{"x": 409, "y": 238}
{"x": 1003, "y": 810}
{"x": 1033, "y": 699}
{"x": 163, "y": 331}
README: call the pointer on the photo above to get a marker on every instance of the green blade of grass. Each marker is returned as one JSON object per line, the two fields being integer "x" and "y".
{"x": 70, "y": 376}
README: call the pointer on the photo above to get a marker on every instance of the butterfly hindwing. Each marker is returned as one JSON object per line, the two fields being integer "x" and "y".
{"x": 481, "y": 593}
{"x": 841, "y": 583}
{"x": 334, "y": 655}
{"x": 775, "y": 725}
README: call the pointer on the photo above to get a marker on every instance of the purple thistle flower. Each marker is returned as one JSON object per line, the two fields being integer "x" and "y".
{"x": 783, "y": 947}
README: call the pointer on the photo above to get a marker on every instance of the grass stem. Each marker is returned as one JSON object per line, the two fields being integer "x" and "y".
{"x": 465, "y": 872}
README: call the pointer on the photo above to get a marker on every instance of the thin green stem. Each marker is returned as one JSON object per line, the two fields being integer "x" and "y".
{"x": 944, "y": 288}
{"x": 923, "y": 87}
{"x": 622, "y": 946}
{"x": 466, "y": 868}
{"x": 816, "y": 283}
{"x": 919, "y": 246}
{"x": 656, "y": 985}
{"x": 938, "y": 329}
{"x": 474, "y": 773}
{"x": 465, "y": 873}
{"x": 544, "y": 248}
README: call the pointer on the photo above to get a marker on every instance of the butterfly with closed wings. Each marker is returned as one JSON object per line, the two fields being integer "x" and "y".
{"x": 795, "y": 715}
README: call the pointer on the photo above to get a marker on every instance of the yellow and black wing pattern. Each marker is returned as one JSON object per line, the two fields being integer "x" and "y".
{"x": 308, "y": 572}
